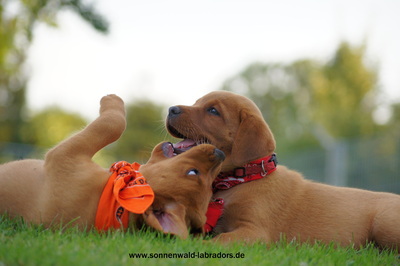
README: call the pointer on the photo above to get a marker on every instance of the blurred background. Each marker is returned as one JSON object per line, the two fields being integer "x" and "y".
{"x": 325, "y": 74}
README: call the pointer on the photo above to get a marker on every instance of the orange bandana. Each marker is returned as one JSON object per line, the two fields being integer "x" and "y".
{"x": 126, "y": 191}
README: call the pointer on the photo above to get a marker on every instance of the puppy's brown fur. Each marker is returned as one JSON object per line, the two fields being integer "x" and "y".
{"x": 282, "y": 203}
{"x": 66, "y": 187}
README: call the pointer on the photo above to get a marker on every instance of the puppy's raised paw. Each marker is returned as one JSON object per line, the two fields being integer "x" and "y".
{"x": 111, "y": 101}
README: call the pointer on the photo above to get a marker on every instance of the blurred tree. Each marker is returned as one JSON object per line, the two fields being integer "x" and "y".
{"x": 282, "y": 96}
{"x": 50, "y": 127}
{"x": 344, "y": 94}
{"x": 17, "y": 21}
{"x": 41, "y": 132}
{"x": 306, "y": 99}
{"x": 145, "y": 129}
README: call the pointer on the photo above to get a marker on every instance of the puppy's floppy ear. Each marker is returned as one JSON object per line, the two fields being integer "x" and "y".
{"x": 170, "y": 221}
{"x": 253, "y": 139}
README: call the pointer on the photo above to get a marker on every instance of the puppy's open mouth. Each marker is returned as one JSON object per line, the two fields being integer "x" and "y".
{"x": 168, "y": 217}
{"x": 174, "y": 132}
{"x": 184, "y": 145}
{"x": 171, "y": 150}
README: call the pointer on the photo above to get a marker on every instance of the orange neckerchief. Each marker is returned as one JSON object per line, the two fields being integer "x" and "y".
{"x": 126, "y": 191}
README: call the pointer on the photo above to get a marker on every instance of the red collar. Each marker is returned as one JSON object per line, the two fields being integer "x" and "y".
{"x": 251, "y": 171}
{"x": 214, "y": 212}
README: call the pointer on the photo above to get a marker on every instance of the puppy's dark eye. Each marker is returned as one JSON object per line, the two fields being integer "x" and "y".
{"x": 193, "y": 172}
{"x": 213, "y": 111}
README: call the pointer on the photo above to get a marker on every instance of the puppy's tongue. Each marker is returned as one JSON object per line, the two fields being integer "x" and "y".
{"x": 184, "y": 145}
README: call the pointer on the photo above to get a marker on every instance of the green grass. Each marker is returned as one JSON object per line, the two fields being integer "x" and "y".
{"x": 24, "y": 245}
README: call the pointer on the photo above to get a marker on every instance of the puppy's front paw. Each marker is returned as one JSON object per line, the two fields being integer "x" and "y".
{"x": 111, "y": 101}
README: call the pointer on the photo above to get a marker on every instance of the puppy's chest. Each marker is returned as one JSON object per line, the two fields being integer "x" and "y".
{"x": 232, "y": 212}
{"x": 244, "y": 204}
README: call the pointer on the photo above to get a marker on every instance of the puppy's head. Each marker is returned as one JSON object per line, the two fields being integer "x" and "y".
{"x": 181, "y": 178}
{"x": 231, "y": 122}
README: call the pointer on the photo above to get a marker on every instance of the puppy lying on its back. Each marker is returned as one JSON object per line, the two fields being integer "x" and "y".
{"x": 67, "y": 187}
{"x": 264, "y": 201}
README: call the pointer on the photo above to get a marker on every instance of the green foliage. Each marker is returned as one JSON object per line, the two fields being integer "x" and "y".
{"x": 344, "y": 94}
{"x": 12, "y": 80}
{"x": 302, "y": 99}
{"x": 51, "y": 126}
{"x": 41, "y": 132}
{"x": 34, "y": 245}
{"x": 17, "y": 21}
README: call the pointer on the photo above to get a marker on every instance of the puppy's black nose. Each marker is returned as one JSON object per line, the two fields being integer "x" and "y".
{"x": 219, "y": 154}
{"x": 174, "y": 111}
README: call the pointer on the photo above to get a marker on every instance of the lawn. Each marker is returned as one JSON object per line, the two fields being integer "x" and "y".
{"x": 24, "y": 245}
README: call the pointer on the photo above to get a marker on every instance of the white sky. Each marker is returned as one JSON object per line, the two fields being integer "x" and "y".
{"x": 175, "y": 51}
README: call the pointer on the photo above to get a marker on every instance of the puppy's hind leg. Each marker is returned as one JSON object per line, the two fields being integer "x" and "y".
{"x": 73, "y": 183}
{"x": 107, "y": 128}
